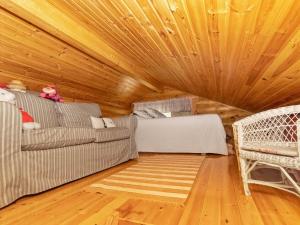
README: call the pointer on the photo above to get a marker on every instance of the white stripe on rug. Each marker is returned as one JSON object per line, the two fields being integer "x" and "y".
{"x": 173, "y": 160}
{"x": 169, "y": 164}
{"x": 160, "y": 175}
{"x": 139, "y": 191}
{"x": 164, "y": 168}
{"x": 159, "y": 170}
{"x": 173, "y": 163}
{"x": 148, "y": 184}
{"x": 171, "y": 157}
{"x": 153, "y": 179}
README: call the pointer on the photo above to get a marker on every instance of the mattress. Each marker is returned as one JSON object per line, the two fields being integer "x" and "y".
{"x": 186, "y": 134}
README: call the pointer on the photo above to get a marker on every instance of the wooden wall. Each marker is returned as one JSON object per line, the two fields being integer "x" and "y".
{"x": 229, "y": 114}
{"x": 34, "y": 56}
{"x": 69, "y": 94}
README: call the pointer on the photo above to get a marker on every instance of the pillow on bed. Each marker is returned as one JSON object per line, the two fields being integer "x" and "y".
{"x": 142, "y": 114}
{"x": 155, "y": 113}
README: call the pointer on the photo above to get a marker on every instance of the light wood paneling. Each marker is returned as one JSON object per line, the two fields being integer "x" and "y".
{"x": 214, "y": 200}
{"x": 241, "y": 53}
{"x": 228, "y": 114}
{"x": 37, "y": 58}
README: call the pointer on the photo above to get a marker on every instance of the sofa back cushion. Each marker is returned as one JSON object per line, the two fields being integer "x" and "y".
{"x": 77, "y": 114}
{"x": 42, "y": 110}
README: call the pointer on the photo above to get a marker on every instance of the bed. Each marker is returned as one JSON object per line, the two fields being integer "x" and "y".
{"x": 185, "y": 134}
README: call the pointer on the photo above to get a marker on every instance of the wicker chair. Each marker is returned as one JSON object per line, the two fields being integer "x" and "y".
{"x": 270, "y": 139}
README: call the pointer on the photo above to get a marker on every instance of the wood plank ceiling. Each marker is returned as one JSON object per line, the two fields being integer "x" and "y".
{"x": 242, "y": 53}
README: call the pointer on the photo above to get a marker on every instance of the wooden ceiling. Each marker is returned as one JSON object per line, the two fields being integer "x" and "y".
{"x": 243, "y": 53}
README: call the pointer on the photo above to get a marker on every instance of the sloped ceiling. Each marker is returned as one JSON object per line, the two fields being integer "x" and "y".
{"x": 114, "y": 52}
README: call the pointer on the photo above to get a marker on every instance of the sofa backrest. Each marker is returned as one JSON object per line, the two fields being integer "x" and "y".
{"x": 77, "y": 114}
{"x": 42, "y": 110}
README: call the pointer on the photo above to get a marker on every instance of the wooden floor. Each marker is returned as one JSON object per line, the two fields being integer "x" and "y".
{"x": 216, "y": 198}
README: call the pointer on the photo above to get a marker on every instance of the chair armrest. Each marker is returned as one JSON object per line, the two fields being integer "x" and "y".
{"x": 298, "y": 137}
{"x": 267, "y": 114}
{"x": 275, "y": 127}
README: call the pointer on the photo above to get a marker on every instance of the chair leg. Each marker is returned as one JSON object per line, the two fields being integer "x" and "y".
{"x": 291, "y": 180}
{"x": 243, "y": 164}
{"x": 283, "y": 178}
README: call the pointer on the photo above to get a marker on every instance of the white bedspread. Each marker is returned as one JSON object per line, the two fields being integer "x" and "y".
{"x": 187, "y": 134}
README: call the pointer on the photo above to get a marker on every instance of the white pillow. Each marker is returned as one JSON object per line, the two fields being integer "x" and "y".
{"x": 97, "y": 123}
{"x": 31, "y": 126}
{"x": 142, "y": 114}
{"x": 155, "y": 113}
{"x": 108, "y": 122}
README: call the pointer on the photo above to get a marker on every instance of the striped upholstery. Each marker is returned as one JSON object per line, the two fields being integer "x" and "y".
{"x": 77, "y": 114}
{"x": 112, "y": 134}
{"x": 56, "y": 137}
{"x": 50, "y": 168}
{"x": 26, "y": 172}
{"x": 10, "y": 155}
{"x": 92, "y": 108}
{"x": 42, "y": 110}
{"x": 129, "y": 122}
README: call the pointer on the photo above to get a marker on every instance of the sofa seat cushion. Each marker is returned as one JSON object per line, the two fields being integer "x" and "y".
{"x": 275, "y": 150}
{"x": 56, "y": 137}
{"x": 112, "y": 134}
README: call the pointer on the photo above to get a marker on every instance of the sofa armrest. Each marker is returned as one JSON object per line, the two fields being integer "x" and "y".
{"x": 10, "y": 152}
{"x": 129, "y": 122}
{"x": 10, "y": 128}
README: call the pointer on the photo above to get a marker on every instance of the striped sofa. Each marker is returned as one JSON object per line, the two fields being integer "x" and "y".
{"x": 66, "y": 147}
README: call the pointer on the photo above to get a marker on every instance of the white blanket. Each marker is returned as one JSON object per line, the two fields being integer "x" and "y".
{"x": 187, "y": 134}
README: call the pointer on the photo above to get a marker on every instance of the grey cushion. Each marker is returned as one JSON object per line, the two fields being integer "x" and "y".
{"x": 273, "y": 149}
{"x": 77, "y": 114}
{"x": 142, "y": 114}
{"x": 42, "y": 110}
{"x": 155, "y": 113}
{"x": 56, "y": 137}
{"x": 112, "y": 134}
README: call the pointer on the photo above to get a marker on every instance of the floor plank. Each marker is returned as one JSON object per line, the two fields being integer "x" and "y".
{"x": 216, "y": 198}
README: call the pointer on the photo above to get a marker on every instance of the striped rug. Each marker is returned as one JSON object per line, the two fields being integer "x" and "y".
{"x": 163, "y": 177}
